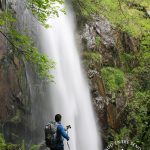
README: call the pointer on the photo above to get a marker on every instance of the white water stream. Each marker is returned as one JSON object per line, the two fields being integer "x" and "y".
{"x": 69, "y": 95}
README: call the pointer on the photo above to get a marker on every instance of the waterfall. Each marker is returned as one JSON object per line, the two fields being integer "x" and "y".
{"x": 69, "y": 95}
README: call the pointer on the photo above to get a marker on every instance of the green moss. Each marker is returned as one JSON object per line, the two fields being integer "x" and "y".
{"x": 7, "y": 146}
{"x": 127, "y": 18}
{"x": 23, "y": 145}
{"x": 114, "y": 78}
{"x": 95, "y": 57}
{"x": 127, "y": 61}
{"x": 35, "y": 147}
{"x": 17, "y": 117}
{"x": 142, "y": 73}
{"x": 85, "y": 8}
{"x": 2, "y": 142}
{"x": 92, "y": 59}
{"x": 126, "y": 57}
{"x": 97, "y": 40}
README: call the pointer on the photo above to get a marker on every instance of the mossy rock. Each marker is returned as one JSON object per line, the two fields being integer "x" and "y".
{"x": 17, "y": 117}
{"x": 92, "y": 59}
{"x": 114, "y": 78}
{"x": 7, "y": 146}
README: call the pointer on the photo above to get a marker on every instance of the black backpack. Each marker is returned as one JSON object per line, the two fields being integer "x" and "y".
{"x": 50, "y": 134}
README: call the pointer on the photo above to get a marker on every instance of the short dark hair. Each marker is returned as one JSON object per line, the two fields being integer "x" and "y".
{"x": 57, "y": 117}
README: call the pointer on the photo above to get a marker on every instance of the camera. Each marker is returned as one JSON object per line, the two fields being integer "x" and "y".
{"x": 68, "y": 127}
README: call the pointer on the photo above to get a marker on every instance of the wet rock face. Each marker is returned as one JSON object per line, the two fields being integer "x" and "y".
{"x": 98, "y": 97}
{"x": 8, "y": 84}
{"x": 14, "y": 93}
{"x": 13, "y": 87}
{"x": 99, "y": 26}
{"x": 99, "y": 35}
{"x": 89, "y": 36}
{"x": 105, "y": 30}
{"x": 130, "y": 44}
{"x": 112, "y": 42}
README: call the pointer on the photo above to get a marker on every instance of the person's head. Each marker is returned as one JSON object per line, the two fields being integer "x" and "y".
{"x": 58, "y": 118}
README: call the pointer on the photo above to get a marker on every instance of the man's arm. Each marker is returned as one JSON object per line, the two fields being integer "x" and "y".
{"x": 63, "y": 132}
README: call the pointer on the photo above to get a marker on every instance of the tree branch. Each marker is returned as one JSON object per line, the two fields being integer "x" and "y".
{"x": 15, "y": 47}
{"x": 8, "y": 39}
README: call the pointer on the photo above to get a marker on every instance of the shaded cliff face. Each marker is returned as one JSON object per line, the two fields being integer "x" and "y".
{"x": 13, "y": 83}
{"x": 14, "y": 95}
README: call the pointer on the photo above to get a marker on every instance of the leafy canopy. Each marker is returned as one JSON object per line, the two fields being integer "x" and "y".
{"x": 22, "y": 46}
{"x": 43, "y": 9}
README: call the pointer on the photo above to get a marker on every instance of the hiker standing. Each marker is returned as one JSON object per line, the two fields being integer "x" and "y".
{"x": 55, "y": 142}
{"x": 61, "y": 133}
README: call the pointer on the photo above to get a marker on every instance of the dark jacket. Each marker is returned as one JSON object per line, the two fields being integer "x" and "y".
{"x": 61, "y": 134}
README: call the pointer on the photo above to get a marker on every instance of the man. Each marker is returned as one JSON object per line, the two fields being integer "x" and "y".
{"x": 60, "y": 134}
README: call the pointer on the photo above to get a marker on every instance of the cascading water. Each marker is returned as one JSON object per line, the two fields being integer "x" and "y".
{"x": 69, "y": 95}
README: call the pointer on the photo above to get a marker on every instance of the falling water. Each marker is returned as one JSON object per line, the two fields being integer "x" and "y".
{"x": 69, "y": 95}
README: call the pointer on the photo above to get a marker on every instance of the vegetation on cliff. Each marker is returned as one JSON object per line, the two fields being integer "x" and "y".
{"x": 7, "y": 146}
{"x": 132, "y": 19}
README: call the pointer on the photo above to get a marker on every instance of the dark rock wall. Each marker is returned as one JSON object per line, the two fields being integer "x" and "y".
{"x": 14, "y": 93}
{"x": 15, "y": 101}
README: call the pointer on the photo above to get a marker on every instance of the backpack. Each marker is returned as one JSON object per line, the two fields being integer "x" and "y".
{"x": 50, "y": 134}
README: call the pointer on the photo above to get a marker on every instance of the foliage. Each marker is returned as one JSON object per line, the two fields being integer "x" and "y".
{"x": 2, "y": 142}
{"x": 17, "y": 117}
{"x": 114, "y": 78}
{"x": 127, "y": 60}
{"x": 7, "y": 146}
{"x": 92, "y": 59}
{"x": 6, "y": 17}
{"x": 23, "y": 145}
{"x": 93, "y": 56}
{"x": 137, "y": 124}
{"x": 97, "y": 40}
{"x": 44, "y": 9}
{"x": 137, "y": 127}
{"x": 22, "y": 47}
{"x": 129, "y": 18}
{"x": 26, "y": 49}
{"x": 35, "y": 147}
{"x": 85, "y": 8}
{"x": 142, "y": 72}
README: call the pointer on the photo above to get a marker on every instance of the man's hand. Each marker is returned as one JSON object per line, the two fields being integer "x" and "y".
{"x": 68, "y": 127}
